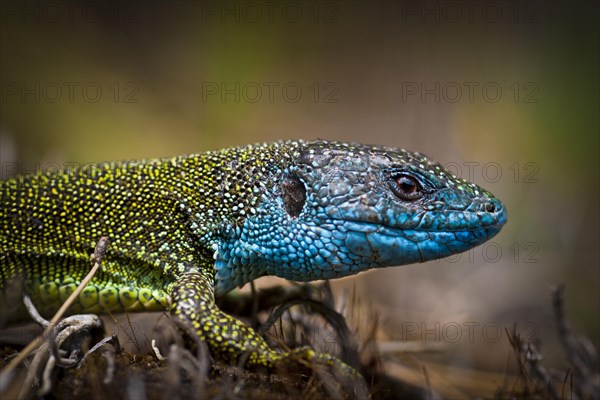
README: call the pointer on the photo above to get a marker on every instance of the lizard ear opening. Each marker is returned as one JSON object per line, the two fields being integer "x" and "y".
{"x": 294, "y": 195}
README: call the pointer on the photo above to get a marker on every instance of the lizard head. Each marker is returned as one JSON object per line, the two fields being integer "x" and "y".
{"x": 338, "y": 209}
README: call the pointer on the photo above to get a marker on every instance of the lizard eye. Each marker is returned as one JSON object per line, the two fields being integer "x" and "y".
{"x": 406, "y": 187}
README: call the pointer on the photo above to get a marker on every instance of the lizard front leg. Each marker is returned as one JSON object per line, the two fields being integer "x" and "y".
{"x": 227, "y": 338}
{"x": 231, "y": 340}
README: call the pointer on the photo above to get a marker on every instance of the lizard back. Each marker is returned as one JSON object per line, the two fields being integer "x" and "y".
{"x": 160, "y": 215}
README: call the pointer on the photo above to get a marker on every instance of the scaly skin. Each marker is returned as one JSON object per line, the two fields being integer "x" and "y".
{"x": 184, "y": 229}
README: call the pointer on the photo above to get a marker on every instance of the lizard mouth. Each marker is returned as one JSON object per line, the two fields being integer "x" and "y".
{"x": 417, "y": 235}
{"x": 388, "y": 245}
{"x": 477, "y": 223}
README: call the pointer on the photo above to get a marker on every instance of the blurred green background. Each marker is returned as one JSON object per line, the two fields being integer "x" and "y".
{"x": 505, "y": 94}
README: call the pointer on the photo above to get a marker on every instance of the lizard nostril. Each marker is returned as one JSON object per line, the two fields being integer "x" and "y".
{"x": 490, "y": 207}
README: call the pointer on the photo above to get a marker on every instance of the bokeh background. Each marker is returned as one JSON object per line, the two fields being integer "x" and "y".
{"x": 503, "y": 93}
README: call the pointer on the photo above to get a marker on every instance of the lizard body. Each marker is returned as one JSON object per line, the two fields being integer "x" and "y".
{"x": 184, "y": 229}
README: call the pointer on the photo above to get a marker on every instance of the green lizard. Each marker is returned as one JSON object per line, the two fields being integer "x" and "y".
{"x": 185, "y": 229}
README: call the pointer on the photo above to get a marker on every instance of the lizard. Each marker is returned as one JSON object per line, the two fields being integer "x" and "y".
{"x": 183, "y": 230}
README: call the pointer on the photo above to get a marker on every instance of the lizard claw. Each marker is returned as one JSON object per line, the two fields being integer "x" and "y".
{"x": 307, "y": 361}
